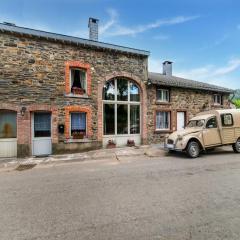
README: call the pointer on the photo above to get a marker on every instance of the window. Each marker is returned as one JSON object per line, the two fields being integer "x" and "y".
{"x": 217, "y": 99}
{"x": 8, "y": 124}
{"x": 163, "y": 121}
{"x": 42, "y": 124}
{"x": 109, "y": 119}
{"x": 227, "y": 120}
{"x": 78, "y": 81}
{"x": 212, "y": 123}
{"x": 121, "y": 107}
{"x": 163, "y": 95}
{"x": 78, "y": 124}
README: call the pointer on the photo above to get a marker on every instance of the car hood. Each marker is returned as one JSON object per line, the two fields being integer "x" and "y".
{"x": 184, "y": 132}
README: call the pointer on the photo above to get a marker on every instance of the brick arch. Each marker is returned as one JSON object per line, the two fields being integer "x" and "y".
{"x": 87, "y": 110}
{"x": 143, "y": 97}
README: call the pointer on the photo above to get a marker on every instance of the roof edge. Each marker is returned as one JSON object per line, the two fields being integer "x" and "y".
{"x": 71, "y": 39}
{"x": 209, "y": 87}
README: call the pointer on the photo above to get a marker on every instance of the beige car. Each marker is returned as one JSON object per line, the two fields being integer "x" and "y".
{"x": 206, "y": 131}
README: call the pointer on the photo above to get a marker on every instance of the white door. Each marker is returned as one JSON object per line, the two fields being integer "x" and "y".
{"x": 41, "y": 134}
{"x": 180, "y": 120}
{"x": 8, "y": 134}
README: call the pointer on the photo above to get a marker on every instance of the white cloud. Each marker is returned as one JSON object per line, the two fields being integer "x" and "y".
{"x": 113, "y": 19}
{"x": 119, "y": 30}
{"x": 213, "y": 74}
{"x": 211, "y": 71}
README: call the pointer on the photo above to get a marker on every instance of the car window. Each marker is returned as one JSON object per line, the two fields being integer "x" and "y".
{"x": 227, "y": 120}
{"x": 212, "y": 123}
{"x": 196, "y": 123}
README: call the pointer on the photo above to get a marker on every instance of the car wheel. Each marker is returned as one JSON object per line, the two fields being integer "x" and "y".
{"x": 193, "y": 149}
{"x": 236, "y": 146}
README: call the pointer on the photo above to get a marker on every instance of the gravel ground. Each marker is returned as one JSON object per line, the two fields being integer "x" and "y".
{"x": 165, "y": 198}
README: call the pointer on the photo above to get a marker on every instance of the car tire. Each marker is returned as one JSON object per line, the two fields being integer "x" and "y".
{"x": 236, "y": 146}
{"x": 193, "y": 149}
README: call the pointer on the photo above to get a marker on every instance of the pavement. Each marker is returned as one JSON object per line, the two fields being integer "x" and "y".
{"x": 136, "y": 198}
{"x": 100, "y": 154}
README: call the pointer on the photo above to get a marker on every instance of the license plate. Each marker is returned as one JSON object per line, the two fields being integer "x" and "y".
{"x": 170, "y": 146}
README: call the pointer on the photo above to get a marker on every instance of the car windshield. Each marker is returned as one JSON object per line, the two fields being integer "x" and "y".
{"x": 196, "y": 123}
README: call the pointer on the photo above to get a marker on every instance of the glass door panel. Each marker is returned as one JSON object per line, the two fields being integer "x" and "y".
{"x": 122, "y": 119}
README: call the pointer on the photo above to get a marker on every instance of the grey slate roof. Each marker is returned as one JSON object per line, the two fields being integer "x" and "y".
{"x": 172, "y": 81}
{"x": 69, "y": 39}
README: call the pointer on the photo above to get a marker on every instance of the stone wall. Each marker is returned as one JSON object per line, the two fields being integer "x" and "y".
{"x": 32, "y": 72}
{"x": 189, "y": 101}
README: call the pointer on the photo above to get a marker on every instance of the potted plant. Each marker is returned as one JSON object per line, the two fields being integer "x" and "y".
{"x": 130, "y": 143}
{"x": 111, "y": 144}
{"x": 81, "y": 135}
{"x": 78, "y": 91}
{"x": 78, "y": 135}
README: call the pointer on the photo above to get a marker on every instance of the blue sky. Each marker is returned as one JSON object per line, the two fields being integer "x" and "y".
{"x": 201, "y": 37}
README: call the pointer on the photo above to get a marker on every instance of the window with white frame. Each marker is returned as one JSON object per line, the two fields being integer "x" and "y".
{"x": 78, "y": 124}
{"x": 163, "y": 120}
{"x": 121, "y": 107}
{"x": 217, "y": 99}
{"x": 163, "y": 95}
{"x": 78, "y": 81}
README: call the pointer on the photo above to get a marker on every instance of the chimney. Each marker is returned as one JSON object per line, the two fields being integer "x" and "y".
{"x": 167, "y": 68}
{"x": 93, "y": 29}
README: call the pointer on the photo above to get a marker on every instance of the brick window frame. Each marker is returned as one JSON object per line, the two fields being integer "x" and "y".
{"x": 81, "y": 65}
{"x": 69, "y": 110}
{"x": 170, "y": 122}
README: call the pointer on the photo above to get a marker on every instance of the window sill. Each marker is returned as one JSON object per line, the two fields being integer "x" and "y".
{"x": 85, "y": 140}
{"x": 162, "y": 103}
{"x": 217, "y": 105}
{"x": 163, "y": 131}
{"x": 71, "y": 95}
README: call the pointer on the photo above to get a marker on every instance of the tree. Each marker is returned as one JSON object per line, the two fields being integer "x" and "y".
{"x": 235, "y": 98}
{"x": 236, "y": 102}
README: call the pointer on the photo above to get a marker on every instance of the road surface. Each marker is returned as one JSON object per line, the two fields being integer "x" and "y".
{"x": 165, "y": 198}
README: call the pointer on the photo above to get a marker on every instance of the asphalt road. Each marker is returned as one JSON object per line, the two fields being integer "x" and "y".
{"x": 135, "y": 198}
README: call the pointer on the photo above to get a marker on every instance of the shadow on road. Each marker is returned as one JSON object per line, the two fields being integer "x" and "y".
{"x": 213, "y": 152}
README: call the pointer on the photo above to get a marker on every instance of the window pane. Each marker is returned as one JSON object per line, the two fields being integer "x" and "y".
{"x": 227, "y": 119}
{"x": 162, "y": 120}
{"x": 134, "y": 119}
{"x": 78, "y": 80}
{"x": 122, "y": 90}
{"x": 212, "y": 123}
{"x": 78, "y": 123}
{"x": 109, "y": 90}
{"x": 42, "y": 125}
{"x": 8, "y": 124}
{"x": 109, "y": 119}
{"x": 134, "y": 92}
{"x": 162, "y": 95}
{"x": 122, "y": 119}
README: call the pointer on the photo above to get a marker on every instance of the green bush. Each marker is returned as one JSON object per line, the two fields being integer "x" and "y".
{"x": 237, "y": 103}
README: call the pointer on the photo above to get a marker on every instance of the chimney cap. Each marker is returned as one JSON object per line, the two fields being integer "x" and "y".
{"x": 167, "y": 62}
{"x": 93, "y": 20}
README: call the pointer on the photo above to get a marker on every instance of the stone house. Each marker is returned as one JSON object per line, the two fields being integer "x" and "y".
{"x": 66, "y": 94}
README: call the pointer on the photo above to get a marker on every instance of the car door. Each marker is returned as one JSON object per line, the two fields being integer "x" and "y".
{"x": 211, "y": 135}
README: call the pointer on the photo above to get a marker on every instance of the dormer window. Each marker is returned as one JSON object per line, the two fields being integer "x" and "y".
{"x": 163, "y": 95}
{"x": 78, "y": 81}
{"x": 217, "y": 99}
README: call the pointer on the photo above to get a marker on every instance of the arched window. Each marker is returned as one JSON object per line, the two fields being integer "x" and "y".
{"x": 121, "y": 107}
